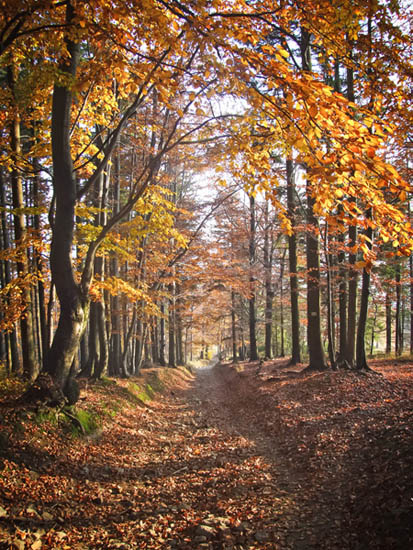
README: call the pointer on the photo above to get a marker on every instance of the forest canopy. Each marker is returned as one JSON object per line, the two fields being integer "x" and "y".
{"x": 296, "y": 119}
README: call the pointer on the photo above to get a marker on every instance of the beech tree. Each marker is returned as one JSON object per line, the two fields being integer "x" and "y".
{"x": 97, "y": 98}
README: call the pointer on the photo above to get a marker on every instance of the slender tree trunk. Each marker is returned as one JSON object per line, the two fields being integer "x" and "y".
{"x": 12, "y": 351}
{"x": 282, "y": 328}
{"x": 317, "y": 358}
{"x": 39, "y": 265}
{"x": 233, "y": 328}
{"x": 388, "y": 322}
{"x": 162, "y": 360}
{"x": 116, "y": 342}
{"x": 251, "y": 301}
{"x": 352, "y": 257}
{"x": 342, "y": 300}
{"x": 171, "y": 327}
{"x": 30, "y": 365}
{"x": 411, "y": 302}
{"x": 293, "y": 271}
{"x": 398, "y": 311}
{"x": 361, "y": 361}
{"x": 373, "y": 330}
{"x": 268, "y": 282}
{"x": 330, "y": 302}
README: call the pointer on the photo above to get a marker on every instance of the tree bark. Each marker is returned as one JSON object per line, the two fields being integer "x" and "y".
{"x": 292, "y": 264}
{"x": 398, "y": 329}
{"x": 317, "y": 360}
{"x": 268, "y": 281}
{"x": 251, "y": 301}
{"x": 388, "y": 322}
{"x": 74, "y": 303}
{"x": 30, "y": 365}
{"x": 361, "y": 361}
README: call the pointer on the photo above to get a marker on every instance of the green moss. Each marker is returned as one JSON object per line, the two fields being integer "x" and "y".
{"x": 46, "y": 416}
{"x": 146, "y": 392}
{"x": 89, "y": 421}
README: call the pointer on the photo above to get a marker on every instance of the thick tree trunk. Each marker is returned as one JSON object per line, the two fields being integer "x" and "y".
{"x": 317, "y": 360}
{"x": 292, "y": 264}
{"x": 74, "y": 301}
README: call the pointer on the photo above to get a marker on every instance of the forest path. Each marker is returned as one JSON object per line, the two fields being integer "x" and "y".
{"x": 269, "y": 498}
{"x": 236, "y": 457}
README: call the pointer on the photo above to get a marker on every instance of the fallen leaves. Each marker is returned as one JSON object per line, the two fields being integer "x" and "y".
{"x": 270, "y": 462}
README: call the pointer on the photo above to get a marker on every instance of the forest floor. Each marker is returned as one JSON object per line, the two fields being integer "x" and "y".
{"x": 236, "y": 457}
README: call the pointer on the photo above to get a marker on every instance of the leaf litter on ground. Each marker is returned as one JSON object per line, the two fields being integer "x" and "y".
{"x": 237, "y": 457}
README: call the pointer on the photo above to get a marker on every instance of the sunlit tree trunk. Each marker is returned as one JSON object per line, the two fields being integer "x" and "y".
{"x": 30, "y": 365}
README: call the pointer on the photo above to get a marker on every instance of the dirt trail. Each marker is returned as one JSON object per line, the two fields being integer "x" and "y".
{"x": 225, "y": 400}
{"x": 230, "y": 459}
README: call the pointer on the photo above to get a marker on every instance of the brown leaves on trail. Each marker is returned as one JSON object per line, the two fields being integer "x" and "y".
{"x": 275, "y": 459}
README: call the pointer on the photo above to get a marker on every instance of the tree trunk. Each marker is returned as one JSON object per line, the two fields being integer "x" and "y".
{"x": 233, "y": 329}
{"x": 30, "y": 365}
{"x": 398, "y": 312}
{"x": 13, "y": 358}
{"x": 293, "y": 272}
{"x": 317, "y": 359}
{"x": 411, "y": 302}
{"x": 74, "y": 302}
{"x": 388, "y": 322}
{"x": 251, "y": 301}
{"x": 352, "y": 257}
{"x": 361, "y": 361}
{"x": 171, "y": 327}
{"x": 330, "y": 302}
{"x": 162, "y": 360}
{"x": 268, "y": 282}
